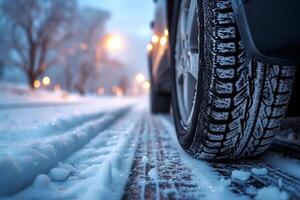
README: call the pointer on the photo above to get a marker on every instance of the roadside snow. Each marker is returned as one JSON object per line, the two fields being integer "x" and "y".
{"x": 39, "y": 156}
{"x": 11, "y": 93}
{"x": 259, "y": 171}
{"x": 271, "y": 193}
{"x": 240, "y": 175}
{"x": 98, "y": 170}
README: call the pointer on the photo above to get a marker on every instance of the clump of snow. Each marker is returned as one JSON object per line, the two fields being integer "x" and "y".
{"x": 42, "y": 180}
{"x": 259, "y": 171}
{"x": 271, "y": 192}
{"x": 145, "y": 159}
{"x": 59, "y": 174}
{"x": 153, "y": 174}
{"x": 240, "y": 175}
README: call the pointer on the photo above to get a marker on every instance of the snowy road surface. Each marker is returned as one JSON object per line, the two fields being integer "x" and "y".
{"x": 115, "y": 149}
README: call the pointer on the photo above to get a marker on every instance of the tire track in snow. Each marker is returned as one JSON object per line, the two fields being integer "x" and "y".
{"x": 21, "y": 166}
{"x": 169, "y": 173}
{"x": 99, "y": 169}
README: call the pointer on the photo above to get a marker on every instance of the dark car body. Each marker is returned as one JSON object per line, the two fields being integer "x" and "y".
{"x": 269, "y": 29}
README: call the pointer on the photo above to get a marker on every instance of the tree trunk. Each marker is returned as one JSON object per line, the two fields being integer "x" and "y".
{"x": 1, "y": 71}
{"x": 31, "y": 78}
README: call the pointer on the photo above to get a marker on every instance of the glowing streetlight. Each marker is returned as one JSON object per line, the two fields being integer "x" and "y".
{"x": 166, "y": 32}
{"x": 154, "y": 39}
{"x": 146, "y": 85}
{"x": 149, "y": 47}
{"x": 36, "y": 84}
{"x": 140, "y": 78}
{"x": 46, "y": 80}
{"x": 113, "y": 42}
{"x": 163, "y": 41}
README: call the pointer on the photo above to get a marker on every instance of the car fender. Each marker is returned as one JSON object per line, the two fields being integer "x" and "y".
{"x": 270, "y": 29}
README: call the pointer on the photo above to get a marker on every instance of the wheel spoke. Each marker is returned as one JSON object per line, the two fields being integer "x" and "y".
{"x": 186, "y": 97}
{"x": 180, "y": 71}
{"x": 191, "y": 26}
{"x": 182, "y": 25}
{"x": 193, "y": 67}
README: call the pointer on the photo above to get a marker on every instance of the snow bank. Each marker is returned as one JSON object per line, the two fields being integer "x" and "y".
{"x": 271, "y": 193}
{"x": 20, "y": 167}
{"x": 12, "y": 93}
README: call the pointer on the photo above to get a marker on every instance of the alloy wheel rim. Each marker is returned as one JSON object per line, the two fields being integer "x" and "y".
{"x": 187, "y": 60}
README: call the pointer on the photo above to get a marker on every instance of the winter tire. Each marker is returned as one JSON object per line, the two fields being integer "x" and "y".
{"x": 226, "y": 105}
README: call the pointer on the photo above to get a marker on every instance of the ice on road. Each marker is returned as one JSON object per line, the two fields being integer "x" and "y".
{"x": 115, "y": 149}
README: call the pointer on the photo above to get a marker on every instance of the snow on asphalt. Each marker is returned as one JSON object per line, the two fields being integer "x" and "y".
{"x": 110, "y": 149}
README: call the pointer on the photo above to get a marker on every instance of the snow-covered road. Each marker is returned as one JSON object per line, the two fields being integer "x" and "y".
{"x": 115, "y": 149}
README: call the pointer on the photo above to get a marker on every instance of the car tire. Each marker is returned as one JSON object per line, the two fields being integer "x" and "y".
{"x": 238, "y": 103}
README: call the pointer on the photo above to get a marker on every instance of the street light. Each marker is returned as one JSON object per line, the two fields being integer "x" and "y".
{"x": 149, "y": 47}
{"x": 163, "y": 41}
{"x": 46, "y": 80}
{"x": 154, "y": 39}
{"x": 146, "y": 85}
{"x": 36, "y": 84}
{"x": 113, "y": 42}
{"x": 140, "y": 78}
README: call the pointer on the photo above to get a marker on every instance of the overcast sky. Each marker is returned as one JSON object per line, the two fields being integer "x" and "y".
{"x": 131, "y": 20}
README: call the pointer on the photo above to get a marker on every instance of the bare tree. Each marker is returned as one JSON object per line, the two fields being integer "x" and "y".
{"x": 37, "y": 30}
{"x": 89, "y": 30}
